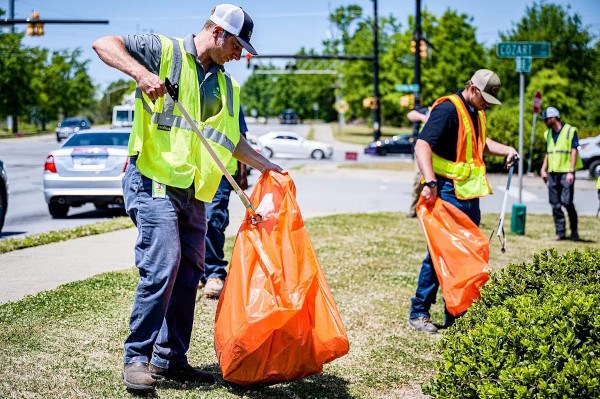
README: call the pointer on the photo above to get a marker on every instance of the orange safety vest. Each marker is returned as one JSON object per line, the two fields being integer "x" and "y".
{"x": 468, "y": 172}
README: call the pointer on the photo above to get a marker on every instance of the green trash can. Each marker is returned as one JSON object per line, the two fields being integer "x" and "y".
{"x": 517, "y": 219}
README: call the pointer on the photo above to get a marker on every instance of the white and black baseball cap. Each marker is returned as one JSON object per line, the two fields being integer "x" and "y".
{"x": 237, "y": 22}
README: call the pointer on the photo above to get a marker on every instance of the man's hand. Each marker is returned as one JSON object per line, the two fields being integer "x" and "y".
{"x": 271, "y": 166}
{"x": 429, "y": 194}
{"x": 544, "y": 175}
{"x": 512, "y": 158}
{"x": 151, "y": 84}
{"x": 570, "y": 178}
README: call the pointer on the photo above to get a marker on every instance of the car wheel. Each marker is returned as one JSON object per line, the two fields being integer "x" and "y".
{"x": 383, "y": 153}
{"x": 268, "y": 153}
{"x": 58, "y": 139}
{"x": 101, "y": 207}
{"x": 317, "y": 154}
{"x": 58, "y": 211}
{"x": 595, "y": 169}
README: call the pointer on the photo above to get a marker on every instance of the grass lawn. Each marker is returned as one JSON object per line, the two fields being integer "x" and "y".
{"x": 67, "y": 343}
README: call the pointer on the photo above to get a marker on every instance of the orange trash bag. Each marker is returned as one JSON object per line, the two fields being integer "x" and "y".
{"x": 276, "y": 319}
{"x": 459, "y": 251}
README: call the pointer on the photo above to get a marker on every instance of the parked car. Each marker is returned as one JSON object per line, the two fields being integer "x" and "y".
{"x": 292, "y": 145}
{"x": 288, "y": 117}
{"x": 401, "y": 144}
{"x": 589, "y": 150}
{"x": 87, "y": 168}
{"x": 68, "y": 126}
{"x": 3, "y": 194}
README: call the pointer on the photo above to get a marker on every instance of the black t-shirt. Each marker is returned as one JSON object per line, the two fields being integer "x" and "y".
{"x": 441, "y": 129}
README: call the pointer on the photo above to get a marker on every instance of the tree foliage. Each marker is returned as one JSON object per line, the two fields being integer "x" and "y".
{"x": 43, "y": 85}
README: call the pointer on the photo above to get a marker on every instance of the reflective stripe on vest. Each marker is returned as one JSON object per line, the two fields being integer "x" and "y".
{"x": 468, "y": 172}
{"x": 559, "y": 153}
{"x": 168, "y": 150}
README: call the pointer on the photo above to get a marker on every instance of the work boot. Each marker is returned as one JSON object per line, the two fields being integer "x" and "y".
{"x": 137, "y": 377}
{"x": 575, "y": 236}
{"x": 422, "y": 324}
{"x": 186, "y": 373}
{"x": 213, "y": 288}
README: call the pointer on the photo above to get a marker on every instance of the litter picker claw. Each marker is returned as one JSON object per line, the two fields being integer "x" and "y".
{"x": 500, "y": 229}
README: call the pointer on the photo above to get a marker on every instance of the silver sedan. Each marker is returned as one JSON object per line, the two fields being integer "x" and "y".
{"x": 87, "y": 168}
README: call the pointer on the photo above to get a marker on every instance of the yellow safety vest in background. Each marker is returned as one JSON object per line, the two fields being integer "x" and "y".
{"x": 559, "y": 153}
{"x": 169, "y": 151}
{"x": 468, "y": 172}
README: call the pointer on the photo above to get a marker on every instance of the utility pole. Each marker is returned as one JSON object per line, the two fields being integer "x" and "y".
{"x": 11, "y": 13}
{"x": 417, "y": 37}
{"x": 376, "y": 109}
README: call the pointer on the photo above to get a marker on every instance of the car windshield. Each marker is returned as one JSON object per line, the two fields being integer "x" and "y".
{"x": 98, "y": 139}
{"x": 71, "y": 122}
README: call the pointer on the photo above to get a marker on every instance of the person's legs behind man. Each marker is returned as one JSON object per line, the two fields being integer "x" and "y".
{"x": 217, "y": 220}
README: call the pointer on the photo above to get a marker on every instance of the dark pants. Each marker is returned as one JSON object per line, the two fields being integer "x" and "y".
{"x": 169, "y": 254}
{"x": 428, "y": 283}
{"x": 560, "y": 193}
{"x": 217, "y": 220}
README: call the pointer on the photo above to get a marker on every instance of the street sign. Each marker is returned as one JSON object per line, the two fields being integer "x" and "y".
{"x": 523, "y": 64}
{"x": 523, "y": 49}
{"x": 407, "y": 87}
{"x": 537, "y": 102}
{"x": 341, "y": 106}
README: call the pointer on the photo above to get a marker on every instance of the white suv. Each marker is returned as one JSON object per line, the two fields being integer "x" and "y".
{"x": 589, "y": 150}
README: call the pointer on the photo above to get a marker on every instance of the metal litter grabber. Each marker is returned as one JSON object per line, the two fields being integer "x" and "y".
{"x": 173, "y": 90}
{"x": 500, "y": 229}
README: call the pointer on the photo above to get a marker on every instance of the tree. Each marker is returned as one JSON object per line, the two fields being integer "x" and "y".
{"x": 16, "y": 72}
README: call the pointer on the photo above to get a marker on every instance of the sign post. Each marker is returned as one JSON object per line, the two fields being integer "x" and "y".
{"x": 537, "y": 108}
{"x": 522, "y": 52}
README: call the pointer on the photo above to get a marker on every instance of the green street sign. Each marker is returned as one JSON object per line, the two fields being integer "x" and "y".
{"x": 523, "y": 49}
{"x": 523, "y": 64}
{"x": 407, "y": 87}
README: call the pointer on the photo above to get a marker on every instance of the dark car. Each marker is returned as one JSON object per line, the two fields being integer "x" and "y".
{"x": 68, "y": 126}
{"x": 396, "y": 145}
{"x": 3, "y": 194}
{"x": 288, "y": 117}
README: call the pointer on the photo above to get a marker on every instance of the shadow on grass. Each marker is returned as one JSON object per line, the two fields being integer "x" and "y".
{"x": 325, "y": 386}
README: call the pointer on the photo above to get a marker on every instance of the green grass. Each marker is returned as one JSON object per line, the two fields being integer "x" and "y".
{"x": 362, "y": 134}
{"x": 67, "y": 343}
{"x": 33, "y": 240}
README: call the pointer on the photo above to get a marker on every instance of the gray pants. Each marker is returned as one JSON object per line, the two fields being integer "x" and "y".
{"x": 560, "y": 193}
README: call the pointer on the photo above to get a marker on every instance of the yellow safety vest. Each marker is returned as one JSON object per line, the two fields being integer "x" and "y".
{"x": 559, "y": 153}
{"x": 468, "y": 172}
{"x": 168, "y": 150}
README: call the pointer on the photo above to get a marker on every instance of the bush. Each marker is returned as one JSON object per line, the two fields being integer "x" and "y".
{"x": 534, "y": 334}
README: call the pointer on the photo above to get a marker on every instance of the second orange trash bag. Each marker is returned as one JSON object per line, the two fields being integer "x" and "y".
{"x": 459, "y": 251}
{"x": 276, "y": 319}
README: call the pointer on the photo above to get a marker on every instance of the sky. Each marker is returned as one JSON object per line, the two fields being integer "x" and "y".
{"x": 280, "y": 26}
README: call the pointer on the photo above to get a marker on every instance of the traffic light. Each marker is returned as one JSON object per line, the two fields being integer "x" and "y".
{"x": 248, "y": 57}
{"x": 423, "y": 49}
{"x": 413, "y": 46}
{"x": 35, "y": 28}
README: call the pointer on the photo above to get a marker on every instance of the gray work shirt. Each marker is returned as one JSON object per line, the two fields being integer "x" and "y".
{"x": 147, "y": 49}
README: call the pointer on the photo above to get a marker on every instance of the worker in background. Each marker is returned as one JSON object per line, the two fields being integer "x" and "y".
{"x": 558, "y": 171}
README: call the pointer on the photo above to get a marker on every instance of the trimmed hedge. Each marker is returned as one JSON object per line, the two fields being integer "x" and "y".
{"x": 535, "y": 333}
